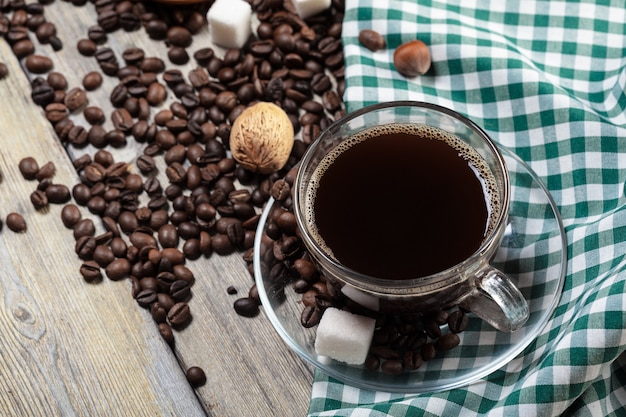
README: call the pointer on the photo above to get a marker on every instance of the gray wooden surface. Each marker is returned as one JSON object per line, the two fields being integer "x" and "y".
{"x": 68, "y": 348}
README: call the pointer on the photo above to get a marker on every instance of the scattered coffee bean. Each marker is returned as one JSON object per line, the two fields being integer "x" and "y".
{"x": 195, "y": 376}
{"x": 457, "y": 321}
{"x": 448, "y": 341}
{"x": 247, "y": 307}
{"x": 179, "y": 315}
{"x": 39, "y": 199}
{"x": 16, "y": 223}
{"x": 28, "y": 167}
{"x": 372, "y": 40}
{"x": 92, "y": 80}
{"x": 75, "y": 99}
{"x": 87, "y": 47}
{"x": 38, "y": 64}
{"x": 58, "y": 193}
{"x": 118, "y": 269}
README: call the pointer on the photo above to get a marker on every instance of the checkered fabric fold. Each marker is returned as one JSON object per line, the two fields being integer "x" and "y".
{"x": 545, "y": 79}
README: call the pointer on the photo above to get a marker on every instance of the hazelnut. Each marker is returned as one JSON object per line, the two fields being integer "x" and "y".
{"x": 412, "y": 58}
{"x": 261, "y": 138}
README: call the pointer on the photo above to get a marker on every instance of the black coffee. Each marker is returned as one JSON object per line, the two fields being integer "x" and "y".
{"x": 402, "y": 201}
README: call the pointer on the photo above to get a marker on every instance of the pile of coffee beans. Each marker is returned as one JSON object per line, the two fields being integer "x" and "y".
{"x": 208, "y": 205}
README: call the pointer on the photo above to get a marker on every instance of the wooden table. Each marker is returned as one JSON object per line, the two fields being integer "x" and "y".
{"x": 72, "y": 348}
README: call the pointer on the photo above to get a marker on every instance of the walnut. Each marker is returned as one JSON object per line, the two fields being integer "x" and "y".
{"x": 261, "y": 138}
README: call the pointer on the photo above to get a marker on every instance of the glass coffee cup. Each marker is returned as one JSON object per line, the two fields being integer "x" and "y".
{"x": 404, "y": 205}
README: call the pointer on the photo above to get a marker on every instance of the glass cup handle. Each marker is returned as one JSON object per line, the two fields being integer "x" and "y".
{"x": 497, "y": 301}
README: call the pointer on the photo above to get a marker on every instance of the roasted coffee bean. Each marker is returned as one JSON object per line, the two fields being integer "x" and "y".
{"x": 58, "y": 193}
{"x": 90, "y": 271}
{"x": 84, "y": 227}
{"x": 81, "y": 194}
{"x": 457, "y": 321}
{"x": 94, "y": 116}
{"x": 23, "y": 48}
{"x": 129, "y": 21}
{"x": 203, "y": 55}
{"x": 78, "y": 136}
{"x": 412, "y": 360}
{"x": 16, "y": 222}
{"x": 428, "y": 351}
{"x": 156, "y": 94}
{"x": 158, "y": 312}
{"x": 70, "y": 215}
{"x": 310, "y": 316}
{"x": 246, "y": 306}
{"x": 118, "y": 269}
{"x": 179, "y": 315}
{"x": 45, "y": 31}
{"x": 55, "y": 112}
{"x": 166, "y": 333}
{"x": 57, "y": 80}
{"x": 179, "y": 36}
{"x": 96, "y": 34}
{"x": 372, "y": 363}
{"x": 432, "y": 329}
{"x": 38, "y": 64}
{"x": 38, "y": 199}
{"x": 86, "y": 47}
{"x": 4, "y": 70}
{"x": 392, "y": 367}
{"x": 92, "y": 80}
{"x": 85, "y": 246}
{"x": 195, "y": 376}
{"x": 122, "y": 120}
{"x": 146, "y": 297}
{"x": 118, "y": 246}
{"x": 175, "y": 257}
{"x": 133, "y": 55}
{"x": 103, "y": 255}
{"x": 28, "y": 167}
{"x": 146, "y": 164}
{"x": 448, "y": 341}
{"x": 75, "y": 99}
{"x": 168, "y": 236}
{"x": 46, "y": 171}
{"x": 42, "y": 93}
{"x": 97, "y": 205}
{"x": 152, "y": 64}
{"x": 180, "y": 290}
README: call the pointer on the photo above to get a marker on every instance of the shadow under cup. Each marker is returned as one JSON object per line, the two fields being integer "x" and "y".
{"x": 472, "y": 282}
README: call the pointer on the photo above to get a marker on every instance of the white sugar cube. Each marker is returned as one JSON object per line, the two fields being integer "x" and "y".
{"x": 229, "y": 22}
{"x": 344, "y": 336}
{"x": 360, "y": 297}
{"x": 308, "y": 8}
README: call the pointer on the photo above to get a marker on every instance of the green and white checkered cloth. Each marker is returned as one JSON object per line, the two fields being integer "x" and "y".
{"x": 545, "y": 79}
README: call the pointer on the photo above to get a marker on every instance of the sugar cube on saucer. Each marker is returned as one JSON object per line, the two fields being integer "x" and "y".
{"x": 308, "y": 8}
{"x": 344, "y": 336}
{"x": 229, "y": 22}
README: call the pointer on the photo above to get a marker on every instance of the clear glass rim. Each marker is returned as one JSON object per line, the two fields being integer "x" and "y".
{"x": 405, "y": 286}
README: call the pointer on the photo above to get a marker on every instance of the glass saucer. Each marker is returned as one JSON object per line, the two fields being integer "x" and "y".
{"x": 534, "y": 255}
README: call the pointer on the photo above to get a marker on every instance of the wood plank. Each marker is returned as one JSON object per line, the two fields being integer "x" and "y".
{"x": 250, "y": 371}
{"x": 67, "y": 348}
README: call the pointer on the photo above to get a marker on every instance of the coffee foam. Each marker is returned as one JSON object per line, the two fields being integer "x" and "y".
{"x": 422, "y": 132}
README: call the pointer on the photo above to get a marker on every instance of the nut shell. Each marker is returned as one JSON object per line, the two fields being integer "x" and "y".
{"x": 261, "y": 138}
{"x": 412, "y": 58}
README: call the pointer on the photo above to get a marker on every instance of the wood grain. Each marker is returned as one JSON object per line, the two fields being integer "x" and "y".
{"x": 72, "y": 348}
